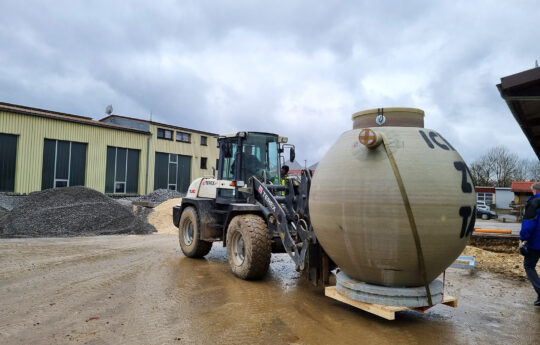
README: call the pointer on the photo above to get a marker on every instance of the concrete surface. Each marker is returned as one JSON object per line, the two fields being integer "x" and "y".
{"x": 131, "y": 289}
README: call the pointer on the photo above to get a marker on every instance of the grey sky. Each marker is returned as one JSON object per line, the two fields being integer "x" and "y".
{"x": 297, "y": 68}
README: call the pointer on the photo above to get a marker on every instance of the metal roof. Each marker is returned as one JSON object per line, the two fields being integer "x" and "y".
{"x": 159, "y": 124}
{"x": 24, "y": 110}
{"x": 521, "y": 92}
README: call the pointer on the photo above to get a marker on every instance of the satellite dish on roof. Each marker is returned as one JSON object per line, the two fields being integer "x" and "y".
{"x": 109, "y": 109}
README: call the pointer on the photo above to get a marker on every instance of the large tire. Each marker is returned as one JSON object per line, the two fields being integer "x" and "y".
{"x": 485, "y": 216}
{"x": 249, "y": 246}
{"x": 189, "y": 234}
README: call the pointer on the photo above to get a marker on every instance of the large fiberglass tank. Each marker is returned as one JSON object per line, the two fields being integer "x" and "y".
{"x": 391, "y": 200}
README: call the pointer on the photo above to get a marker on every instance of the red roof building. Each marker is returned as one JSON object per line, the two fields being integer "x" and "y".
{"x": 522, "y": 186}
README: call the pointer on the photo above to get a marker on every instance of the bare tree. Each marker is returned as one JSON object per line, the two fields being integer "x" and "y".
{"x": 497, "y": 168}
{"x": 529, "y": 170}
{"x": 480, "y": 173}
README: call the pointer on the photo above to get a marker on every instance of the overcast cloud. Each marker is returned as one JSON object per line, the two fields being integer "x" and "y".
{"x": 297, "y": 68}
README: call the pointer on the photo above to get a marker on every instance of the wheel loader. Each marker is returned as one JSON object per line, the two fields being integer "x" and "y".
{"x": 252, "y": 209}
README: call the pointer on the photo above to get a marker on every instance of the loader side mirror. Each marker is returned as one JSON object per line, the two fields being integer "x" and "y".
{"x": 213, "y": 172}
{"x": 292, "y": 154}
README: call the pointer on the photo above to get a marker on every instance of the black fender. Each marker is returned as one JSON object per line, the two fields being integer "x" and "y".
{"x": 210, "y": 231}
{"x": 238, "y": 209}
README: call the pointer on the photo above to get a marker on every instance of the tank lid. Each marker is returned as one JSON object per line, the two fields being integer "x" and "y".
{"x": 394, "y": 117}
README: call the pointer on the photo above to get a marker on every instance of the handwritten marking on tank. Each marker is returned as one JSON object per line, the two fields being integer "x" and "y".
{"x": 467, "y": 227}
{"x": 434, "y": 138}
{"x": 466, "y": 187}
{"x": 426, "y": 139}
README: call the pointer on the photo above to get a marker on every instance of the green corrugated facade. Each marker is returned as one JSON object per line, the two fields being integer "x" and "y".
{"x": 33, "y": 126}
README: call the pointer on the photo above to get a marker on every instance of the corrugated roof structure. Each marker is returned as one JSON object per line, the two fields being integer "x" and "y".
{"x": 521, "y": 92}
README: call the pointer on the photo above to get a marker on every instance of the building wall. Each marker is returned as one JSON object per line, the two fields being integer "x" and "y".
{"x": 503, "y": 198}
{"x": 32, "y": 131}
{"x": 193, "y": 149}
{"x": 522, "y": 197}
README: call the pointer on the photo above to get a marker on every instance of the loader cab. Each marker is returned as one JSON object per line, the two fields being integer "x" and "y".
{"x": 243, "y": 155}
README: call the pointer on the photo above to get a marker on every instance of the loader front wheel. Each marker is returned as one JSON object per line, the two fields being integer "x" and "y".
{"x": 189, "y": 234}
{"x": 249, "y": 246}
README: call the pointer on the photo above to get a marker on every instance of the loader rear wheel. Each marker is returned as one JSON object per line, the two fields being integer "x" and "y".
{"x": 249, "y": 246}
{"x": 189, "y": 234}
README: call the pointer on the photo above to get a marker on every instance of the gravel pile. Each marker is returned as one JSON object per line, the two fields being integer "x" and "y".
{"x": 8, "y": 202}
{"x": 3, "y": 213}
{"x": 71, "y": 211}
{"x": 160, "y": 195}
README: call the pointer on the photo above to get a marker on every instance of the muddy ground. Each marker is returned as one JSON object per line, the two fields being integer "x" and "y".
{"x": 135, "y": 289}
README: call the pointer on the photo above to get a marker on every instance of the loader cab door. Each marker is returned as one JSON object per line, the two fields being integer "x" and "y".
{"x": 227, "y": 169}
{"x": 260, "y": 157}
{"x": 227, "y": 158}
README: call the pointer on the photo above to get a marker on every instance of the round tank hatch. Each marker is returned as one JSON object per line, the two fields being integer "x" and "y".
{"x": 389, "y": 117}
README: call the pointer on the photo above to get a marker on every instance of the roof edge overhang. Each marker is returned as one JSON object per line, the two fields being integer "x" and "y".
{"x": 521, "y": 92}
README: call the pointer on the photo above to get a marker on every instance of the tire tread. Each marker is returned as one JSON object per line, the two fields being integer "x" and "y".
{"x": 258, "y": 255}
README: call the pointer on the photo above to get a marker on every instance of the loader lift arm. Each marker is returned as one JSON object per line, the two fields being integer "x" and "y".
{"x": 288, "y": 214}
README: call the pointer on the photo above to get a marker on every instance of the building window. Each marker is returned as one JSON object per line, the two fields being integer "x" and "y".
{"x": 8, "y": 156}
{"x": 122, "y": 171}
{"x": 164, "y": 134}
{"x": 183, "y": 137}
{"x": 172, "y": 171}
{"x": 203, "y": 162}
{"x": 487, "y": 198}
{"x": 64, "y": 164}
{"x": 204, "y": 140}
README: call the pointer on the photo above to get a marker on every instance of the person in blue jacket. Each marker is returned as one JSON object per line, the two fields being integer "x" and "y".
{"x": 529, "y": 236}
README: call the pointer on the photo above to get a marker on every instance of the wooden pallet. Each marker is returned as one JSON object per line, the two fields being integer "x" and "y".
{"x": 384, "y": 311}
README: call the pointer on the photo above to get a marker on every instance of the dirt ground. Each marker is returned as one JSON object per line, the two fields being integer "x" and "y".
{"x": 161, "y": 217}
{"x": 508, "y": 264}
{"x": 139, "y": 289}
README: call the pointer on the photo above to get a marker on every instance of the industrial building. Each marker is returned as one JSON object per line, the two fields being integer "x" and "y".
{"x": 42, "y": 149}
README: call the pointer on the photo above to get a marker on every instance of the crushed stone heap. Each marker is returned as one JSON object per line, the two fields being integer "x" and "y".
{"x": 160, "y": 195}
{"x": 71, "y": 211}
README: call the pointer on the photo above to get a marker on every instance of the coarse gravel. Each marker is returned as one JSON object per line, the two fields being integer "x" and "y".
{"x": 8, "y": 202}
{"x": 71, "y": 211}
{"x": 160, "y": 195}
{"x": 3, "y": 213}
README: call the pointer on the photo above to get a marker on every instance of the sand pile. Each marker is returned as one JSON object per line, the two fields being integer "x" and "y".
{"x": 71, "y": 211}
{"x": 161, "y": 217}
